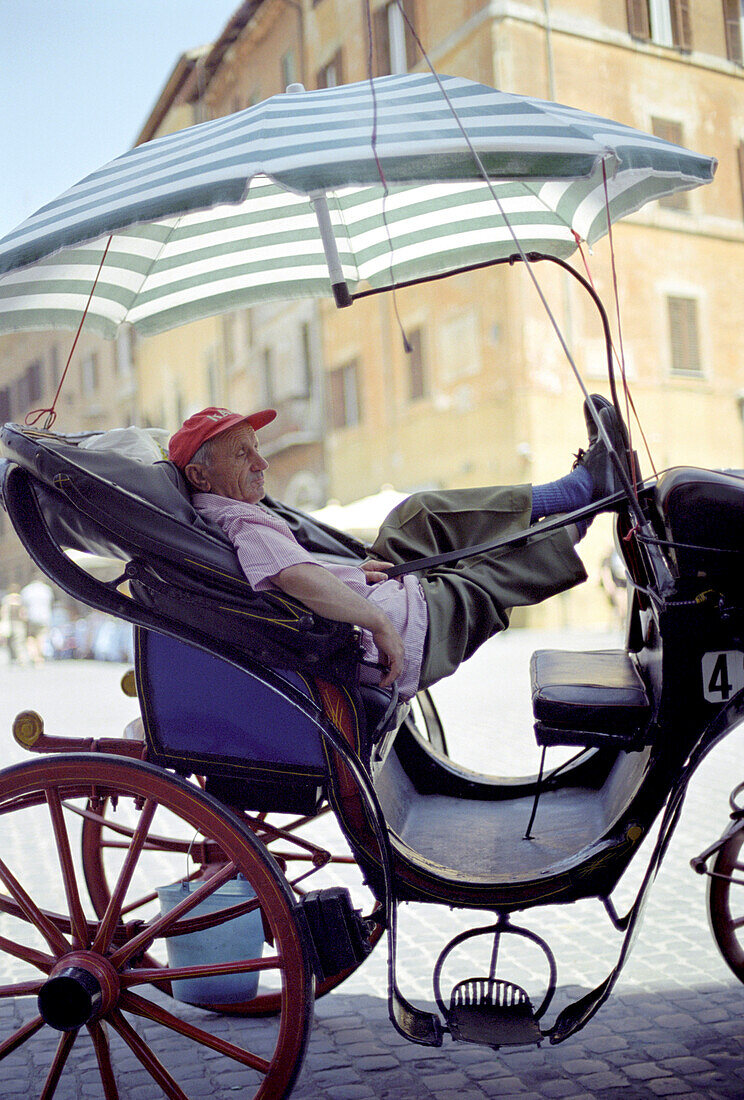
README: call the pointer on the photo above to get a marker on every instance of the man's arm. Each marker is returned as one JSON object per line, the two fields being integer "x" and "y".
{"x": 328, "y": 596}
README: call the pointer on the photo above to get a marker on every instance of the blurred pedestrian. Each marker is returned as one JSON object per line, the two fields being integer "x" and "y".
{"x": 13, "y": 627}
{"x": 37, "y": 602}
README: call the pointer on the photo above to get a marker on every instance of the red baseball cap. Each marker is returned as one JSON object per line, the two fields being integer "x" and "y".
{"x": 205, "y": 425}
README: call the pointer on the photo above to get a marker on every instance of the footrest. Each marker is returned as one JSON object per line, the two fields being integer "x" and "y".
{"x": 588, "y": 698}
{"x": 493, "y": 1013}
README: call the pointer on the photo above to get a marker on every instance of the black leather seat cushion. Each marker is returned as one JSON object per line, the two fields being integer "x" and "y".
{"x": 598, "y": 691}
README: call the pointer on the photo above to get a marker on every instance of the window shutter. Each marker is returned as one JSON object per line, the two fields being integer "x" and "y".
{"x": 382, "y": 42}
{"x": 671, "y": 131}
{"x": 409, "y": 10}
{"x": 639, "y": 25}
{"x": 334, "y": 67}
{"x": 732, "y": 24}
{"x": 683, "y": 333}
{"x": 416, "y": 368}
{"x": 681, "y": 24}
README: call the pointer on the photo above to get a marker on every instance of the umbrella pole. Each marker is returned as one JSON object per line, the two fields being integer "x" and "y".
{"x": 338, "y": 283}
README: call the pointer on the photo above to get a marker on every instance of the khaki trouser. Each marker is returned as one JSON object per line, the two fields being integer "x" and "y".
{"x": 469, "y": 601}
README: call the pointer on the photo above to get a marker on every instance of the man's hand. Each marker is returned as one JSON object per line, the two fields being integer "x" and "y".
{"x": 391, "y": 649}
{"x": 324, "y": 593}
{"x": 375, "y": 570}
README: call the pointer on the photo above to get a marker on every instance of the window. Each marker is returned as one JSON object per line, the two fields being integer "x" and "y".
{"x": 666, "y": 22}
{"x": 33, "y": 382}
{"x": 54, "y": 367}
{"x": 124, "y": 349}
{"x": 268, "y": 376}
{"x": 228, "y": 339}
{"x": 733, "y": 19}
{"x": 89, "y": 374}
{"x": 343, "y": 396}
{"x": 331, "y": 75}
{"x": 684, "y": 337}
{"x": 305, "y": 379}
{"x": 395, "y": 46}
{"x": 417, "y": 387}
{"x": 289, "y": 69}
{"x": 668, "y": 130}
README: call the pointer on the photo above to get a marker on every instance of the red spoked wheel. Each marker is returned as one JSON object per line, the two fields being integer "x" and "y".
{"x": 88, "y": 976}
{"x": 726, "y": 902}
{"x": 309, "y": 849}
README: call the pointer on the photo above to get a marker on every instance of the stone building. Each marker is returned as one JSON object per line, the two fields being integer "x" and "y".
{"x": 485, "y": 394}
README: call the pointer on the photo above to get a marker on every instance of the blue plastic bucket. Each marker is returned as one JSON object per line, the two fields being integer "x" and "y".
{"x": 239, "y": 938}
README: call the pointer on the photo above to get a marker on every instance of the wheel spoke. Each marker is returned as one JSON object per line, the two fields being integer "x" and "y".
{"x": 214, "y": 970}
{"x": 27, "y": 954}
{"x": 19, "y": 1037}
{"x": 33, "y": 914}
{"x": 160, "y": 926}
{"x": 131, "y": 1002}
{"x": 138, "y": 903}
{"x": 113, "y": 911}
{"x": 66, "y": 1041}
{"x": 77, "y": 917}
{"x": 738, "y": 923}
{"x": 21, "y": 989}
{"x": 142, "y": 1052}
{"x": 154, "y": 843}
{"x": 103, "y": 1057}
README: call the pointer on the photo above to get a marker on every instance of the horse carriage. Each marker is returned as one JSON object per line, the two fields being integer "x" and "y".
{"x": 260, "y": 701}
{"x": 194, "y": 888}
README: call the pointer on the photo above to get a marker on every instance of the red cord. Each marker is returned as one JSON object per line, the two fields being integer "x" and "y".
{"x": 34, "y": 415}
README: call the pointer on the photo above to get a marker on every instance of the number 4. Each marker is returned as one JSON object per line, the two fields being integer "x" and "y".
{"x": 719, "y": 683}
{"x": 723, "y": 675}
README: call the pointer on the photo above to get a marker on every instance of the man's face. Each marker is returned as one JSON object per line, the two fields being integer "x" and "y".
{"x": 237, "y": 468}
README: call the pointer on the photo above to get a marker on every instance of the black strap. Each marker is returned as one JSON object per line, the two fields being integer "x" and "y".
{"x": 535, "y": 531}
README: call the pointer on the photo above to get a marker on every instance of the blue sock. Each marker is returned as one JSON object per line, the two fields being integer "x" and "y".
{"x": 568, "y": 493}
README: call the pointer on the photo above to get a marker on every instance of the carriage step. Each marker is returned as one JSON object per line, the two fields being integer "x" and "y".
{"x": 492, "y": 1012}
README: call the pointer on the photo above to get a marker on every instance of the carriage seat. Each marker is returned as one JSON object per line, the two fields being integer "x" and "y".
{"x": 590, "y": 698}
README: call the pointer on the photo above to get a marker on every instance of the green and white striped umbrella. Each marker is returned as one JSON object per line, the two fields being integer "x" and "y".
{"x": 360, "y": 186}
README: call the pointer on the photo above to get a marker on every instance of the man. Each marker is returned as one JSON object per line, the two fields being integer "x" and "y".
{"x": 418, "y": 628}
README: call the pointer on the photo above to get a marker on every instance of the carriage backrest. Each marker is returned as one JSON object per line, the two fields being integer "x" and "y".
{"x": 702, "y": 512}
{"x": 181, "y": 570}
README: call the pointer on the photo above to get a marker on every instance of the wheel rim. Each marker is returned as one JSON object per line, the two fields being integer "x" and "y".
{"x": 726, "y": 903}
{"x": 292, "y": 840}
{"x": 85, "y": 970}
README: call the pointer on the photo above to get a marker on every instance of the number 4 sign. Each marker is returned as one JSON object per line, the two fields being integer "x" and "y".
{"x": 723, "y": 675}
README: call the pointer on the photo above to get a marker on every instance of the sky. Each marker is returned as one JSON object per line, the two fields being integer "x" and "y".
{"x": 78, "y": 79}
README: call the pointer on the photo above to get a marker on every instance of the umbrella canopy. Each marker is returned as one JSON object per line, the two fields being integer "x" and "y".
{"x": 360, "y": 186}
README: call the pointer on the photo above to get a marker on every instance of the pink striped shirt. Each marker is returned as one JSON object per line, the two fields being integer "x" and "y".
{"x": 265, "y": 545}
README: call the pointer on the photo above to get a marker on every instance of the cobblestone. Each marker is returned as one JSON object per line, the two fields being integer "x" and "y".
{"x": 673, "y": 1026}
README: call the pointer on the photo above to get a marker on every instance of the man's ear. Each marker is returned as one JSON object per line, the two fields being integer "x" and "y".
{"x": 197, "y": 477}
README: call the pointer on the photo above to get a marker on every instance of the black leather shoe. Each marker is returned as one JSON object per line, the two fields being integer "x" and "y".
{"x": 600, "y": 403}
{"x": 596, "y": 460}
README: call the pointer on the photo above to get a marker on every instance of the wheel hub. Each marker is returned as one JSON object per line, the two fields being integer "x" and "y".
{"x": 81, "y": 988}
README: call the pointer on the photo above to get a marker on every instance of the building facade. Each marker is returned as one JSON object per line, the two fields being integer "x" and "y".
{"x": 463, "y": 381}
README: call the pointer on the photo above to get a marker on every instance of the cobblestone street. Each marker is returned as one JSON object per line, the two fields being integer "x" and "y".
{"x": 673, "y": 1026}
